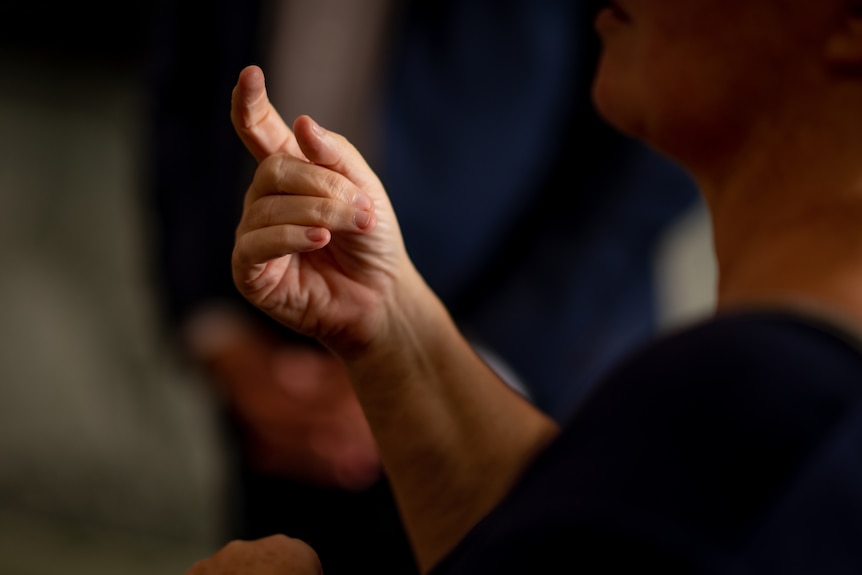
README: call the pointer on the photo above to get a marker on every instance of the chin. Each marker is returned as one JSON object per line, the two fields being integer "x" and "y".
{"x": 615, "y": 105}
{"x": 620, "y": 101}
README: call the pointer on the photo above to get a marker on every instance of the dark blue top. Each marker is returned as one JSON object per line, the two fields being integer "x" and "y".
{"x": 734, "y": 447}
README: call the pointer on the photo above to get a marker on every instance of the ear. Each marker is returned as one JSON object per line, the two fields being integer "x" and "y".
{"x": 844, "y": 49}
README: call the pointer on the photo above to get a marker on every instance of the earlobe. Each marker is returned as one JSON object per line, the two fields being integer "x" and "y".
{"x": 844, "y": 50}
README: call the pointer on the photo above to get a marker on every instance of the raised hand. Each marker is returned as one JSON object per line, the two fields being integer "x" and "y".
{"x": 318, "y": 246}
{"x": 300, "y": 416}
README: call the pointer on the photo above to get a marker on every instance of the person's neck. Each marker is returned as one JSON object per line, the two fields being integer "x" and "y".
{"x": 788, "y": 230}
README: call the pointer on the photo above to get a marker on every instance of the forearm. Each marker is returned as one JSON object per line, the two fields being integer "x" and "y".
{"x": 452, "y": 435}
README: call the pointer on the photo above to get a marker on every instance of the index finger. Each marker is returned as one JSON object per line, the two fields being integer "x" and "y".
{"x": 256, "y": 121}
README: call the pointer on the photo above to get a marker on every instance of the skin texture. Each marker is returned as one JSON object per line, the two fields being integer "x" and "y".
{"x": 688, "y": 78}
{"x": 705, "y": 81}
{"x": 274, "y": 555}
{"x": 766, "y": 119}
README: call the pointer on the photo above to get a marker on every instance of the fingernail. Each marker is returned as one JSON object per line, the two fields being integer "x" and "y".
{"x": 362, "y": 219}
{"x": 315, "y": 127}
{"x": 362, "y": 202}
{"x": 315, "y": 234}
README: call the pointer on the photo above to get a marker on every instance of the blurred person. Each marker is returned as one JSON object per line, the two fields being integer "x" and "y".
{"x": 728, "y": 446}
{"x": 465, "y": 109}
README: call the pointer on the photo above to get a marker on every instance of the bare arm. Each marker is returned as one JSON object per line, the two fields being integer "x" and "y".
{"x": 453, "y": 437}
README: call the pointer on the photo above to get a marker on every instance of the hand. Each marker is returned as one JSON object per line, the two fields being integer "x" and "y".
{"x": 299, "y": 415}
{"x": 273, "y": 555}
{"x": 318, "y": 246}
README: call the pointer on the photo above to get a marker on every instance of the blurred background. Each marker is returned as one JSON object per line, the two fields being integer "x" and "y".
{"x": 109, "y": 448}
{"x": 108, "y": 457}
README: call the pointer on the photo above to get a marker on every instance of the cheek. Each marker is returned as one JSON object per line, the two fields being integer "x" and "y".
{"x": 671, "y": 98}
{"x": 702, "y": 111}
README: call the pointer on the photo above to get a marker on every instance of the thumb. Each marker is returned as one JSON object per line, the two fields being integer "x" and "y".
{"x": 332, "y": 151}
{"x": 255, "y": 120}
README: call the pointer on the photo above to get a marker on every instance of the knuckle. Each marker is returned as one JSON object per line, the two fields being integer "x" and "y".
{"x": 274, "y": 171}
{"x": 279, "y": 539}
{"x": 261, "y": 213}
{"x": 269, "y": 167}
{"x": 284, "y": 237}
{"x": 336, "y": 185}
{"x": 327, "y": 211}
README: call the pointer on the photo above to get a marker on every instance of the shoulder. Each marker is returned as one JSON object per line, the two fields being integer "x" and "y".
{"x": 749, "y": 344}
{"x": 686, "y": 451}
{"x": 761, "y": 374}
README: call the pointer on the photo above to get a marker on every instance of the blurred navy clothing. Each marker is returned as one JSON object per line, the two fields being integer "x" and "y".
{"x": 733, "y": 447}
